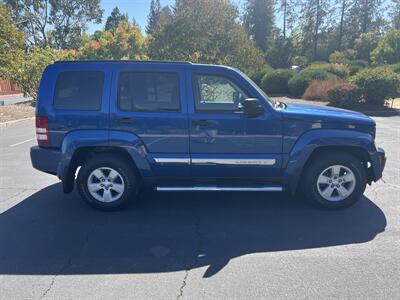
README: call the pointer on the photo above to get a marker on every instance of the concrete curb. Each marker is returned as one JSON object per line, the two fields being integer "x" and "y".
{"x": 8, "y": 123}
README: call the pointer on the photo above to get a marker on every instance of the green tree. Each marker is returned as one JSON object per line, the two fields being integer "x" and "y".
{"x": 206, "y": 31}
{"x": 279, "y": 54}
{"x": 388, "y": 49}
{"x": 166, "y": 17}
{"x": 125, "y": 42}
{"x": 115, "y": 18}
{"x": 11, "y": 41}
{"x": 69, "y": 18}
{"x": 365, "y": 44}
{"x": 363, "y": 16}
{"x": 258, "y": 19}
{"x": 59, "y": 21}
{"x": 28, "y": 67}
{"x": 154, "y": 17}
{"x": 312, "y": 25}
{"x": 395, "y": 14}
{"x": 287, "y": 8}
{"x": 32, "y": 18}
{"x": 343, "y": 7}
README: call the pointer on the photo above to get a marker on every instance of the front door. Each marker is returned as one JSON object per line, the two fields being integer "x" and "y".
{"x": 224, "y": 141}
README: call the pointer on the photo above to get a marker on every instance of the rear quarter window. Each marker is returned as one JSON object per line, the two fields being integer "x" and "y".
{"x": 79, "y": 90}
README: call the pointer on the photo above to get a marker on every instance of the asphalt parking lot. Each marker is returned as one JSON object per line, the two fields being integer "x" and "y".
{"x": 194, "y": 246}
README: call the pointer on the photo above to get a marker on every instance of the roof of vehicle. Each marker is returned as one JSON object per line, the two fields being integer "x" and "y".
{"x": 124, "y": 61}
{"x": 144, "y": 62}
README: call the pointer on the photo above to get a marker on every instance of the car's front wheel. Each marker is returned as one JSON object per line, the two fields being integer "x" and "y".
{"x": 334, "y": 181}
{"x": 107, "y": 182}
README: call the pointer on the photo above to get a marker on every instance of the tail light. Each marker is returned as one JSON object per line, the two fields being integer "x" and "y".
{"x": 42, "y": 131}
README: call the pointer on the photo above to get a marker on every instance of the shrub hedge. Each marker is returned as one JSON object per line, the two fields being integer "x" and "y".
{"x": 299, "y": 83}
{"x": 395, "y": 68}
{"x": 356, "y": 65}
{"x": 339, "y": 70}
{"x": 258, "y": 75}
{"x": 377, "y": 84}
{"x": 276, "y": 82}
{"x": 344, "y": 95}
{"x": 317, "y": 90}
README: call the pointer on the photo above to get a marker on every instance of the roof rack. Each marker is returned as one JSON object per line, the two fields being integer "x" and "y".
{"x": 130, "y": 61}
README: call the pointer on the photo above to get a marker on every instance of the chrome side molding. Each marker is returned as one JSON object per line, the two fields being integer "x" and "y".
{"x": 218, "y": 189}
{"x": 172, "y": 160}
{"x": 230, "y": 161}
{"x": 215, "y": 161}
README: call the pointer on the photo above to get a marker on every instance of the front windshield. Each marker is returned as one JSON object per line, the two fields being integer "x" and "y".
{"x": 271, "y": 102}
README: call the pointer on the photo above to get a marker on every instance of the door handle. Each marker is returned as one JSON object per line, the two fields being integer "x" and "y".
{"x": 126, "y": 120}
{"x": 201, "y": 122}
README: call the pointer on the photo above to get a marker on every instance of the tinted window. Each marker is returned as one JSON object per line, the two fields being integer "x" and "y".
{"x": 139, "y": 91}
{"x": 79, "y": 90}
{"x": 217, "y": 93}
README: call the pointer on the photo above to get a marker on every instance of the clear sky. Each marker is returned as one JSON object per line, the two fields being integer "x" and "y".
{"x": 139, "y": 9}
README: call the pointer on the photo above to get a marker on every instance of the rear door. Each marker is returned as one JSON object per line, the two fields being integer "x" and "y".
{"x": 149, "y": 103}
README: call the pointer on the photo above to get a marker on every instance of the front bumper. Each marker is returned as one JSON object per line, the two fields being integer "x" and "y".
{"x": 378, "y": 162}
{"x": 45, "y": 160}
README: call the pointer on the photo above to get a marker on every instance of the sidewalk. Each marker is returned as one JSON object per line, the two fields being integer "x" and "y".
{"x": 12, "y": 99}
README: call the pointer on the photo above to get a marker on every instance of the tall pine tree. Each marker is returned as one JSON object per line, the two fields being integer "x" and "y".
{"x": 115, "y": 18}
{"x": 288, "y": 11}
{"x": 363, "y": 16}
{"x": 395, "y": 14}
{"x": 259, "y": 20}
{"x": 312, "y": 24}
{"x": 154, "y": 17}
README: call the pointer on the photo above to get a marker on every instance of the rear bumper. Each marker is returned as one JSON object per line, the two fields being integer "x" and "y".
{"x": 378, "y": 162}
{"x": 45, "y": 160}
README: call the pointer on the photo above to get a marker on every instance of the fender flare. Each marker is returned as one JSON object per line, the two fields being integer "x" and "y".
{"x": 314, "y": 139}
{"x": 79, "y": 139}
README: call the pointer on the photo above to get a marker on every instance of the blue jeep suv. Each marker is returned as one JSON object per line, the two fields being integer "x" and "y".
{"x": 114, "y": 127}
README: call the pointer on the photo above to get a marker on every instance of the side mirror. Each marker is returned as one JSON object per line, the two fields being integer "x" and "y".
{"x": 252, "y": 107}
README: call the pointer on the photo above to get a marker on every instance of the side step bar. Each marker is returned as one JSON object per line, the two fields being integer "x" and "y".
{"x": 218, "y": 189}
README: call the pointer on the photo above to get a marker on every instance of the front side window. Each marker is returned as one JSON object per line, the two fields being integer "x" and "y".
{"x": 217, "y": 93}
{"x": 141, "y": 91}
{"x": 79, "y": 90}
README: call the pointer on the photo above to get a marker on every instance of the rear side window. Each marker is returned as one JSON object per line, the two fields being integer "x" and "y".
{"x": 80, "y": 90}
{"x": 141, "y": 91}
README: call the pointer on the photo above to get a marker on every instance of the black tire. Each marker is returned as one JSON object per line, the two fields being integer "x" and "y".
{"x": 320, "y": 163}
{"x": 123, "y": 167}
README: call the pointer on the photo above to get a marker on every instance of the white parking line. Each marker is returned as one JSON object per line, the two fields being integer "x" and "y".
{"x": 17, "y": 144}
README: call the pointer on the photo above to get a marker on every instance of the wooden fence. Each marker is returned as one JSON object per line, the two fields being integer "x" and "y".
{"x": 7, "y": 87}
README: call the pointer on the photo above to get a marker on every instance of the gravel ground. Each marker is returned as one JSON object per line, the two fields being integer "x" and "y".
{"x": 16, "y": 112}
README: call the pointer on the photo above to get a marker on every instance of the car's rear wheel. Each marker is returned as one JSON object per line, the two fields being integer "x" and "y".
{"x": 334, "y": 181}
{"x": 107, "y": 182}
